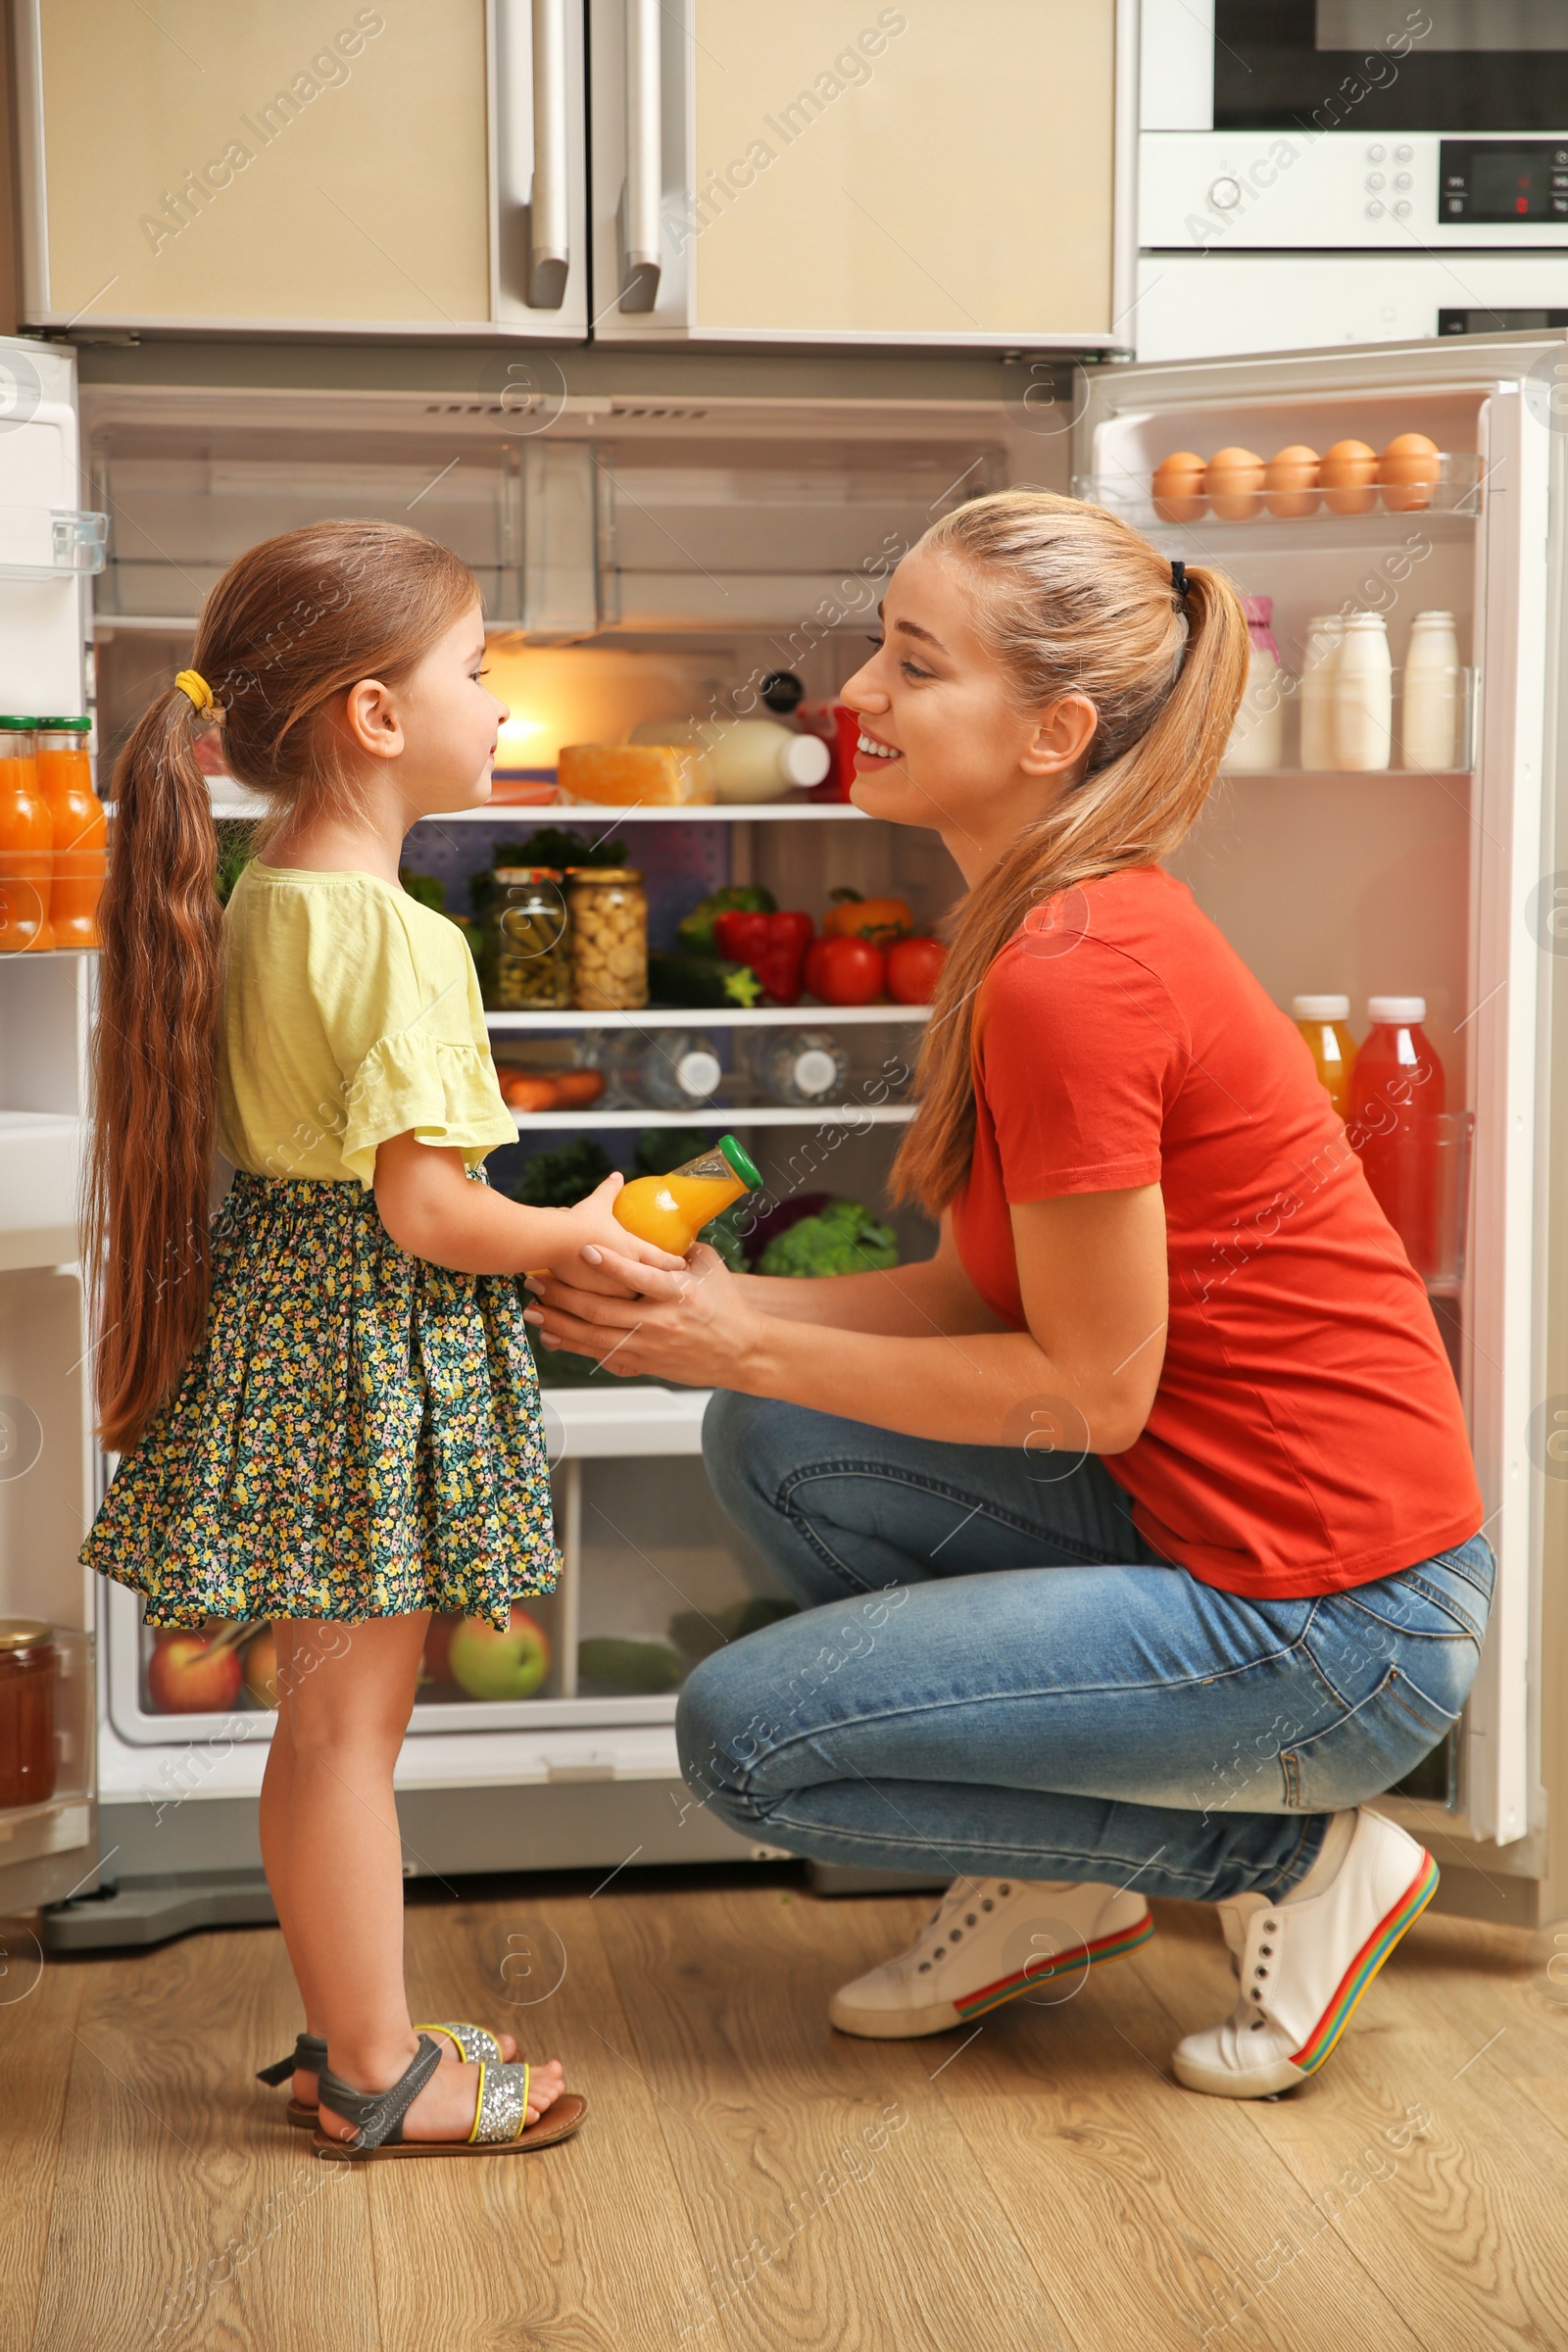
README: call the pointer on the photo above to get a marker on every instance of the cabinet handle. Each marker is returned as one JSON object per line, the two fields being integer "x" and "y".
{"x": 549, "y": 205}
{"x": 641, "y": 244}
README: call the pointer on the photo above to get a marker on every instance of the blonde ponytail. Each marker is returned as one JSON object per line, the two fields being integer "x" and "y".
{"x": 1070, "y": 599}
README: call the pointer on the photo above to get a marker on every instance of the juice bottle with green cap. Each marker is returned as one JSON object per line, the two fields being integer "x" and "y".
{"x": 80, "y": 865}
{"x": 26, "y": 841}
{"x": 671, "y": 1210}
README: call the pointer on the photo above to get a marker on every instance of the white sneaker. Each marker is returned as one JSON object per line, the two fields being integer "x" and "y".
{"x": 987, "y": 1941}
{"x": 1304, "y": 1965}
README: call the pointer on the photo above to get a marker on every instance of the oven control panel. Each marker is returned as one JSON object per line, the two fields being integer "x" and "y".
{"x": 1230, "y": 191}
{"x": 1505, "y": 180}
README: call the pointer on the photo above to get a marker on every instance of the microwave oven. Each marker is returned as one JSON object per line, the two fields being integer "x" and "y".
{"x": 1353, "y": 124}
{"x": 1422, "y": 143}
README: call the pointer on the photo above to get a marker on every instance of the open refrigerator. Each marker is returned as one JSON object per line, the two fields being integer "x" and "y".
{"x": 650, "y": 556}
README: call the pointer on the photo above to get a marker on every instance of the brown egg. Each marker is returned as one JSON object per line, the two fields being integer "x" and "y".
{"x": 1179, "y": 487}
{"x": 1344, "y": 474}
{"x": 1290, "y": 481}
{"x": 1234, "y": 481}
{"x": 1408, "y": 470}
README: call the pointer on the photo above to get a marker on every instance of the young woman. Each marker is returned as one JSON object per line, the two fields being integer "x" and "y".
{"x": 327, "y": 1406}
{"x": 1137, "y": 1528}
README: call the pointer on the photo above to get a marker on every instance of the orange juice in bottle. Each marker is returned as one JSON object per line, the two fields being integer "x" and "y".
{"x": 1324, "y": 1022}
{"x": 80, "y": 830}
{"x": 671, "y": 1210}
{"x": 26, "y": 841}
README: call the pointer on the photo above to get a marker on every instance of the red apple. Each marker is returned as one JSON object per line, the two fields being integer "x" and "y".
{"x": 187, "y": 1676}
{"x": 500, "y": 1665}
{"x": 261, "y": 1668}
{"x": 438, "y": 1644}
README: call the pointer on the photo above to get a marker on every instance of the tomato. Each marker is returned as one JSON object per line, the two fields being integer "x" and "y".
{"x": 845, "y": 971}
{"x": 914, "y": 966}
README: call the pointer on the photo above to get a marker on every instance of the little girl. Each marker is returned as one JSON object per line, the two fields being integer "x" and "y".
{"x": 324, "y": 1399}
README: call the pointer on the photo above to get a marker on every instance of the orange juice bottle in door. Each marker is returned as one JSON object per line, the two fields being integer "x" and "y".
{"x": 1324, "y": 1023}
{"x": 80, "y": 830}
{"x": 26, "y": 841}
{"x": 1396, "y": 1097}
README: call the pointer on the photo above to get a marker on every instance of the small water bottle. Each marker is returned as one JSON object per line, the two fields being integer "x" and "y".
{"x": 670, "y": 1069}
{"x": 801, "y": 1066}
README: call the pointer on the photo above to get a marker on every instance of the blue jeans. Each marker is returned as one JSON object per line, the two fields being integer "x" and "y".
{"x": 995, "y": 1674}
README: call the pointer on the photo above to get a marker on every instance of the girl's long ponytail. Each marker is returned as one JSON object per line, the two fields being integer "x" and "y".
{"x": 155, "y": 1070}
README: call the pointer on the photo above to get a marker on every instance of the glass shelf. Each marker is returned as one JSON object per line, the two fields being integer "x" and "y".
{"x": 709, "y": 1016}
{"x": 729, "y": 1114}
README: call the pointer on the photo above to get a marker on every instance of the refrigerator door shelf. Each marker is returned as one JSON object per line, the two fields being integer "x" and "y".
{"x": 1456, "y": 489}
{"x": 60, "y": 543}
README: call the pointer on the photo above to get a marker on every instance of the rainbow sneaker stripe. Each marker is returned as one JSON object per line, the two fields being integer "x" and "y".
{"x": 1364, "y": 1967}
{"x": 1105, "y": 1948}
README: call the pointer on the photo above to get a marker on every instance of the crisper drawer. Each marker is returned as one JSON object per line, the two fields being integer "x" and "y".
{"x": 654, "y": 1578}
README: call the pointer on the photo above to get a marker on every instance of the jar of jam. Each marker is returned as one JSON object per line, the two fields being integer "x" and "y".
{"x": 26, "y": 841}
{"x": 524, "y": 960}
{"x": 28, "y": 1679}
{"x": 609, "y": 938}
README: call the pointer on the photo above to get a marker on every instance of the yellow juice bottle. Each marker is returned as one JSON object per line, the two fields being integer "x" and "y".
{"x": 1324, "y": 1022}
{"x": 671, "y": 1210}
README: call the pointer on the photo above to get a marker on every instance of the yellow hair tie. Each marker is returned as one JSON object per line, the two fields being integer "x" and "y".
{"x": 191, "y": 682}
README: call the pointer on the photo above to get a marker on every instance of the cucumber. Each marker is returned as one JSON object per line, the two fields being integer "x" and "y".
{"x": 645, "y": 1666}
{"x": 701, "y": 980}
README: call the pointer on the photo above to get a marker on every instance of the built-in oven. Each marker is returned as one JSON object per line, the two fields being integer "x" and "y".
{"x": 1425, "y": 145}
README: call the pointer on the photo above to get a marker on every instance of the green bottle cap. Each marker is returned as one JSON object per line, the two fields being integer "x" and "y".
{"x": 60, "y": 727}
{"x": 741, "y": 1161}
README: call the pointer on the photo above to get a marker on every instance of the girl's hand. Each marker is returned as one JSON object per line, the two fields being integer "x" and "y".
{"x": 595, "y": 1239}
{"x": 692, "y": 1326}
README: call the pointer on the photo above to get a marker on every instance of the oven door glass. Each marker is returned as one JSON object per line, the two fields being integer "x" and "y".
{"x": 1387, "y": 64}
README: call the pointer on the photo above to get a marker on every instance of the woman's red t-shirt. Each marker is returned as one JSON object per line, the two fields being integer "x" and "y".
{"x": 1306, "y": 1434}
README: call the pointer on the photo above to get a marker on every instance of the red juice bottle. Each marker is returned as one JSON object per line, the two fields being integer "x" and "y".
{"x": 1396, "y": 1095}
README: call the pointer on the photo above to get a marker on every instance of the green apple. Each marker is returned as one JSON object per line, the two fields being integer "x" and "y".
{"x": 500, "y": 1665}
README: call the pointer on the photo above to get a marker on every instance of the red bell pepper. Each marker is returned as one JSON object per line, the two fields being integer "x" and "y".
{"x": 773, "y": 945}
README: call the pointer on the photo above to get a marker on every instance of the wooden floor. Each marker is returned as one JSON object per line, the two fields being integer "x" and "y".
{"x": 749, "y": 2180}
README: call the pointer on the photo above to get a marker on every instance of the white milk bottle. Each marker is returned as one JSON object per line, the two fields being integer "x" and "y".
{"x": 1257, "y": 739}
{"x": 1364, "y": 694}
{"x": 1325, "y": 633}
{"x": 1431, "y": 729}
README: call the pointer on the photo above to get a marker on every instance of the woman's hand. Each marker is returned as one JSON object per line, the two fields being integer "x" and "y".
{"x": 691, "y": 1326}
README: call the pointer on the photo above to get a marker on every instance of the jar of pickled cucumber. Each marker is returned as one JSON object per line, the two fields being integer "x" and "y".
{"x": 525, "y": 955}
{"x": 608, "y": 909}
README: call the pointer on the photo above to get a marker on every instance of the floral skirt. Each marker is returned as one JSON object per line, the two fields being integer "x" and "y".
{"x": 357, "y": 1434}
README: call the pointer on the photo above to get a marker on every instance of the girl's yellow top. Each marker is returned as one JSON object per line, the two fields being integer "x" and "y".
{"x": 351, "y": 1013}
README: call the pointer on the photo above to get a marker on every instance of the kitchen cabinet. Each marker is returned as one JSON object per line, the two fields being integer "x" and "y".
{"x": 418, "y": 170}
{"x": 843, "y": 171}
{"x": 837, "y": 171}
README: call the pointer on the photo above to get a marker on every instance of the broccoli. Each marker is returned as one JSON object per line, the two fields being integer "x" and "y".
{"x": 557, "y": 1179}
{"x": 428, "y": 889}
{"x": 660, "y": 1148}
{"x": 720, "y": 1234}
{"x": 554, "y": 846}
{"x": 235, "y": 849}
{"x": 845, "y": 1238}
